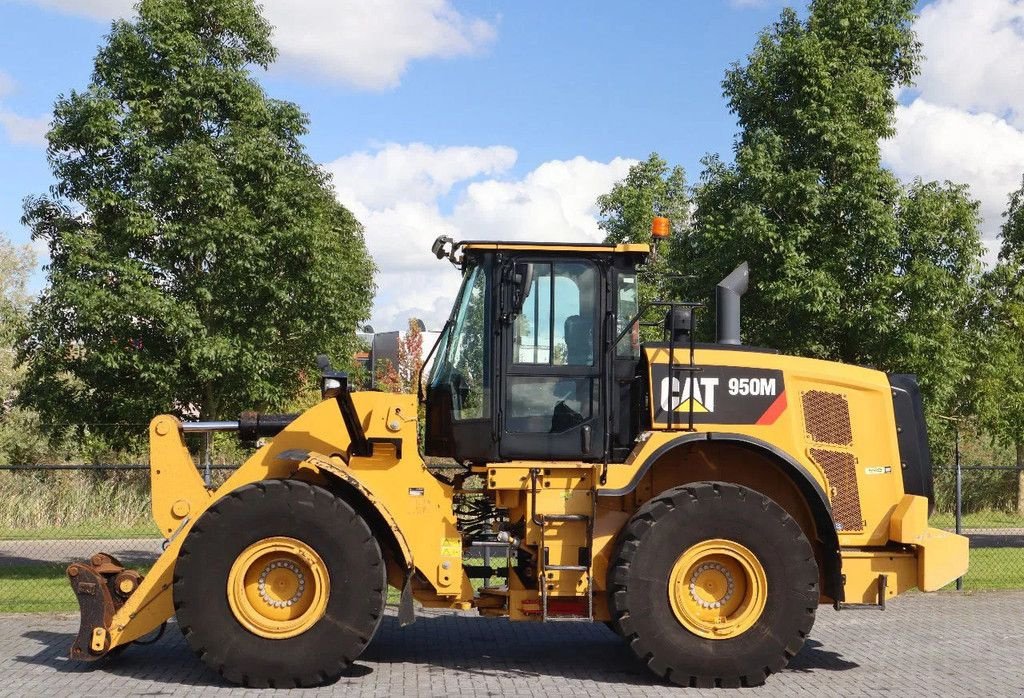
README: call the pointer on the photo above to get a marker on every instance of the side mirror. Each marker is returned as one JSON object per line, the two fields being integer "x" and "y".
{"x": 439, "y": 248}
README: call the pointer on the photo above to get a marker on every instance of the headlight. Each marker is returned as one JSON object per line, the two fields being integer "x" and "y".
{"x": 329, "y": 387}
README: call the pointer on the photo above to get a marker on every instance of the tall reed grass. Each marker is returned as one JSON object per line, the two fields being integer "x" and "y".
{"x": 96, "y": 501}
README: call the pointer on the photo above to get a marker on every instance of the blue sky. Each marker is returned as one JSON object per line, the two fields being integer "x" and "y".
{"x": 507, "y": 119}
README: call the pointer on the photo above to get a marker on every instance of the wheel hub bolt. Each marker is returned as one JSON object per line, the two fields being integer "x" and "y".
{"x": 261, "y": 585}
{"x": 729, "y": 581}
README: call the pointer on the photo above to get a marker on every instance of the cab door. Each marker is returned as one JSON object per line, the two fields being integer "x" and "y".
{"x": 551, "y": 382}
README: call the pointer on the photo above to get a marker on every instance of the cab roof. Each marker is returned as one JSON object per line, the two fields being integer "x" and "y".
{"x": 584, "y": 247}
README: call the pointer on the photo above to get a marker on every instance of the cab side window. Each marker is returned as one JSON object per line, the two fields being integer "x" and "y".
{"x": 627, "y": 304}
{"x": 556, "y": 324}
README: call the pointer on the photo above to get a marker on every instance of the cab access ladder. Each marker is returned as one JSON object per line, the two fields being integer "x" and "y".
{"x": 585, "y": 566}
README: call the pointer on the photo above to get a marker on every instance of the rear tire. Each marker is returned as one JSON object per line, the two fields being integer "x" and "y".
{"x": 781, "y": 592}
{"x": 345, "y": 557}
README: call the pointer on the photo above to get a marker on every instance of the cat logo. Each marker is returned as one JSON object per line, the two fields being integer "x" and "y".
{"x": 697, "y": 394}
{"x": 716, "y": 395}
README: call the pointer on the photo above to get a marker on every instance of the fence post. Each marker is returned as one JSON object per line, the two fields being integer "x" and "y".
{"x": 959, "y": 495}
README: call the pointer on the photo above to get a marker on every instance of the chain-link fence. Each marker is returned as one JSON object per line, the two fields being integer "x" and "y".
{"x": 984, "y": 503}
{"x": 51, "y": 515}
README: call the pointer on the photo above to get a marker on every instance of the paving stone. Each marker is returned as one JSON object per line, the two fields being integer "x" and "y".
{"x": 948, "y": 644}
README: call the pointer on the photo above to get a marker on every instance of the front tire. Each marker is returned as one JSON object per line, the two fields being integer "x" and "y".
{"x": 713, "y": 584}
{"x": 281, "y": 584}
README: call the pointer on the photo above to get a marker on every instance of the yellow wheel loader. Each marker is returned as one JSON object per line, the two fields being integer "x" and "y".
{"x": 703, "y": 499}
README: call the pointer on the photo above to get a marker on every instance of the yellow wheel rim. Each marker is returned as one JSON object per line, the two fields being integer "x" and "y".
{"x": 717, "y": 589}
{"x": 278, "y": 587}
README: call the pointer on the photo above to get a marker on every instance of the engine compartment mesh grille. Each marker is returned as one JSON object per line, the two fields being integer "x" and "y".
{"x": 827, "y": 418}
{"x": 841, "y": 470}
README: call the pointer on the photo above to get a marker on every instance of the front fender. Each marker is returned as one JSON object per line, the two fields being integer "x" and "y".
{"x": 393, "y": 479}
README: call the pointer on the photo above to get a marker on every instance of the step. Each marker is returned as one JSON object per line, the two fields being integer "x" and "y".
{"x": 564, "y": 517}
{"x": 484, "y": 571}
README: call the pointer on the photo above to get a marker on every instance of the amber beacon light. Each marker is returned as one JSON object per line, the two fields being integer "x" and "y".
{"x": 660, "y": 227}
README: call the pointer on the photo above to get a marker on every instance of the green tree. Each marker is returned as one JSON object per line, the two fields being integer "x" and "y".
{"x": 16, "y": 263}
{"x": 936, "y": 279}
{"x": 20, "y": 438}
{"x": 846, "y": 264}
{"x": 998, "y": 386}
{"x": 651, "y": 188}
{"x": 806, "y": 201}
{"x": 200, "y": 259}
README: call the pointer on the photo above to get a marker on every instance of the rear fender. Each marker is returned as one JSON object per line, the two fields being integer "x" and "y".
{"x": 810, "y": 489}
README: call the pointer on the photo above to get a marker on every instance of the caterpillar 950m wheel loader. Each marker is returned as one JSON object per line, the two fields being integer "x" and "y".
{"x": 701, "y": 498}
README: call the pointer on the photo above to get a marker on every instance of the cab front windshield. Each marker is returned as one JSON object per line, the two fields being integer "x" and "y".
{"x": 461, "y": 364}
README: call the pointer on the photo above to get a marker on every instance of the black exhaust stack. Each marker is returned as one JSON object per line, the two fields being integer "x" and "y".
{"x": 727, "y": 304}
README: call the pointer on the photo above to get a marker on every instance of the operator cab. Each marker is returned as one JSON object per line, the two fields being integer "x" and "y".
{"x": 523, "y": 368}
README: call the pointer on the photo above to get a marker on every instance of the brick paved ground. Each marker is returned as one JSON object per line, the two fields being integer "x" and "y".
{"x": 937, "y": 644}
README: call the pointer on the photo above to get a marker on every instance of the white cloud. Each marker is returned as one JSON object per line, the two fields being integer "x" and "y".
{"x": 555, "y": 201}
{"x": 6, "y": 84}
{"x": 974, "y": 56}
{"x": 396, "y": 191}
{"x": 25, "y": 130}
{"x": 415, "y": 172}
{"x": 93, "y": 9}
{"x": 941, "y": 142}
{"x": 966, "y": 121}
{"x": 367, "y": 45}
{"x": 20, "y": 130}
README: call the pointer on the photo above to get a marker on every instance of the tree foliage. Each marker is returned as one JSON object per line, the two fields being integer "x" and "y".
{"x": 806, "y": 201}
{"x": 20, "y": 437}
{"x": 16, "y": 263}
{"x": 386, "y": 376}
{"x": 936, "y": 279}
{"x": 200, "y": 259}
{"x": 846, "y": 264}
{"x": 402, "y": 375}
{"x": 651, "y": 188}
{"x": 998, "y": 385}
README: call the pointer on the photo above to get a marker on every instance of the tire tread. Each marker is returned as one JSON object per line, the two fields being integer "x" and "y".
{"x": 645, "y": 519}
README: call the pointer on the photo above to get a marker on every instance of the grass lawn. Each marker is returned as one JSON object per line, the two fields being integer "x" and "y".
{"x": 97, "y": 530}
{"x": 36, "y": 589}
{"x": 995, "y": 568}
{"x": 978, "y": 519}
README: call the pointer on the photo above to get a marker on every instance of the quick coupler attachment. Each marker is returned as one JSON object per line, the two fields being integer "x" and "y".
{"x": 101, "y": 585}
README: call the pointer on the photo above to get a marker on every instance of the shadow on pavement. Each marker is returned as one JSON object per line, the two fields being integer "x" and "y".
{"x": 813, "y": 656}
{"x": 168, "y": 660}
{"x": 156, "y": 662}
{"x": 445, "y": 643}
